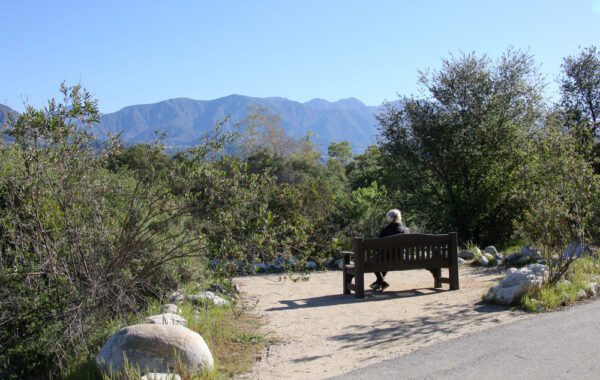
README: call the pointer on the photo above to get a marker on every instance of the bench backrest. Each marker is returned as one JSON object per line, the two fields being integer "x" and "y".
{"x": 410, "y": 250}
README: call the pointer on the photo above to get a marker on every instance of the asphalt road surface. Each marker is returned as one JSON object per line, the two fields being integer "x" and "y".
{"x": 558, "y": 345}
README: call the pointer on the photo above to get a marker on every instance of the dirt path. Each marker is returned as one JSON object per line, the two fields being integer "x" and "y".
{"x": 324, "y": 333}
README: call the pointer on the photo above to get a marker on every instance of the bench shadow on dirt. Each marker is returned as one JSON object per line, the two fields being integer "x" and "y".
{"x": 341, "y": 299}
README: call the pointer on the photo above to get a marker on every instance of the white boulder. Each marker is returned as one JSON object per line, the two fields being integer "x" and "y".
{"x": 517, "y": 282}
{"x": 155, "y": 348}
{"x": 166, "y": 319}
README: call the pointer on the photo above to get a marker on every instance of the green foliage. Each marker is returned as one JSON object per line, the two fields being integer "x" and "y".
{"x": 580, "y": 87}
{"x": 558, "y": 188}
{"x": 553, "y": 295}
{"x": 80, "y": 245}
{"x": 455, "y": 152}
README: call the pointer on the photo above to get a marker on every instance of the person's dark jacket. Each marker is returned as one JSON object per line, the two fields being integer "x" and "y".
{"x": 394, "y": 229}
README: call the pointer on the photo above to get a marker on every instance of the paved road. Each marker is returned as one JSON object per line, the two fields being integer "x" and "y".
{"x": 558, "y": 345}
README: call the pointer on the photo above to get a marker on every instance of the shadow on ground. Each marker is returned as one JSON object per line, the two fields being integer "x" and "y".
{"x": 341, "y": 299}
{"x": 441, "y": 320}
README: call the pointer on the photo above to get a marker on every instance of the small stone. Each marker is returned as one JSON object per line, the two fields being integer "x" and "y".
{"x": 581, "y": 294}
{"x": 208, "y": 296}
{"x": 176, "y": 297}
{"x": 492, "y": 251}
{"x": 484, "y": 261}
{"x": 166, "y": 319}
{"x": 311, "y": 265}
{"x": 466, "y": 255}
{"x": 339, "y": 263}
{"x": 261, "y": 268}
{"x": 170, "y": 308}
{"x": 161, "y": 376}
{"x": 593, "y": 289}
{"x": 460, "y": 261}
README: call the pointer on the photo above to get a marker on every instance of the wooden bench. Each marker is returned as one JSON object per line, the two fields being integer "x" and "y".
{"x": 401, "y": 252}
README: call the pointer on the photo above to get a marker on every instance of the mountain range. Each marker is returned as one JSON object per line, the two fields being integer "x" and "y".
{"x": 185, "y": 120}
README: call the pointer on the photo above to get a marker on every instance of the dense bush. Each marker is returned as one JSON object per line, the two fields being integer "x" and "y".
{"x": 80, "y": 244}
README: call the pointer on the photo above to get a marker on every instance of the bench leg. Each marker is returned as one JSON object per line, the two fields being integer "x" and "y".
{"x": 347, "y": 280}
{"x": 437, "y": 277}
{"x": 359, "y": 282}
{"x": 453, "y": 276}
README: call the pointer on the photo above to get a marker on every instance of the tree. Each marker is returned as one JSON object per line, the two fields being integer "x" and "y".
{"x": 580, "y": 87}
{"x": 340, "y": 152}
{"x": 456, "y": 151}
{"x": 580, "y": 101}
{"x": 262, "y": 131}
{"x": 559, "y": 189}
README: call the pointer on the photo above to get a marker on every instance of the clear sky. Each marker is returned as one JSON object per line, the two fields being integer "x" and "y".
{"x": 132, "y": 52}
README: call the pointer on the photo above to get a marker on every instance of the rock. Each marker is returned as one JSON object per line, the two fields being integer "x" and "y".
{"x": 286, "y": 262}
{"x": 176, "y": 297}
{"x": 261, "y": 268}
{"x": 155, "y": 348}
{"x": 466, "y": 255}
{"x": 593, "y": 289}
{"x": 491, "y": 250}
{"x": 208, "y": 296}
{"x": 575, "y": 249}
{"x": 511, "y": 270}
{"x": 218, "y": 288}
{"x": 275, "y": 267}
{"x": 237, "y": 289}
{"x": 339, "y": 263}
{"x": 483, "y": 260}
{"x": 566, "y": 283}
{"x": 161, "y": 376}
{"x": 166, "y": 319}
{"x": 460, "y": 261}
{"x": 311, "y": 265}
{"x": 518, "y": 259}
{"x": 517, "y": 282}
{"x": 581, "y": 294}
{"x": 170, "y": 308}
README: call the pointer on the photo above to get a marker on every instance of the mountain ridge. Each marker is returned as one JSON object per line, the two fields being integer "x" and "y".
{"x": 185, "y": 120}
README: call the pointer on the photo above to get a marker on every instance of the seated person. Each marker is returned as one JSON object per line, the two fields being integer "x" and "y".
{"x": 394, "y": 227}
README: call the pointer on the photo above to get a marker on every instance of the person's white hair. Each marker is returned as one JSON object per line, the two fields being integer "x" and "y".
{"x": 393, "y": 215}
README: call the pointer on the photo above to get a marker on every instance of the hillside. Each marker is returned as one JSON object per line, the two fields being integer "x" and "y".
{"x": 185, "y": 120}
{"x": 5, "y": 112}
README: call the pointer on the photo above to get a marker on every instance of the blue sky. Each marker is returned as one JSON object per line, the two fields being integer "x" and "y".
{"x": 133, "y": 52}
